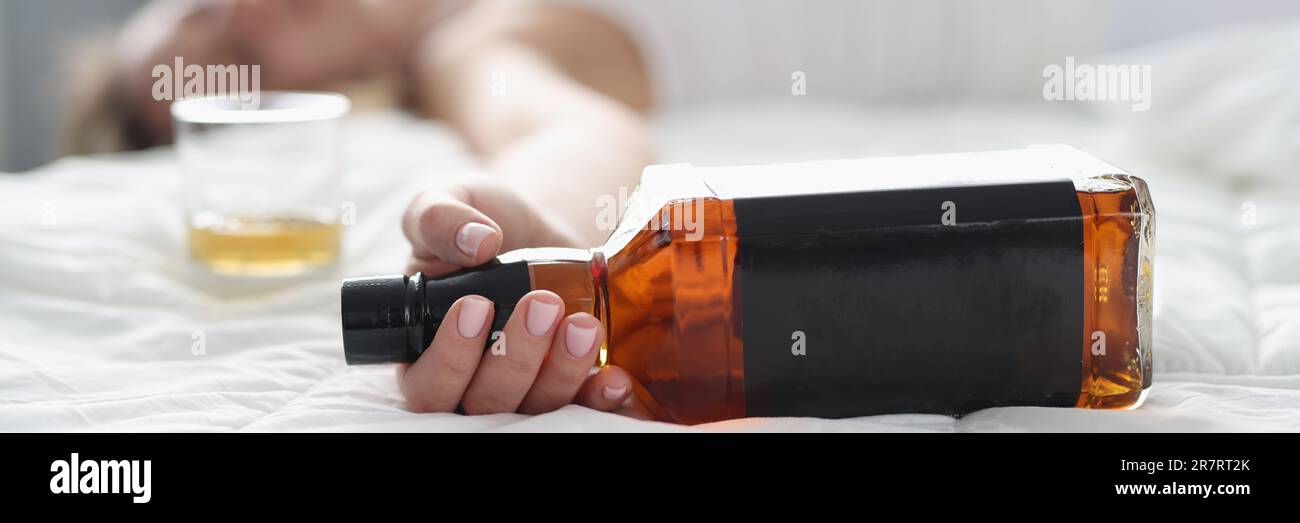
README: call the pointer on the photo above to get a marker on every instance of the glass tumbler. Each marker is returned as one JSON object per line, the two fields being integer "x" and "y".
{"x": 261, "y": 185}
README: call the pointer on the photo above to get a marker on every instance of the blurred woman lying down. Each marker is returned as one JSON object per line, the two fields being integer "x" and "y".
{"x": 567, "y": 131}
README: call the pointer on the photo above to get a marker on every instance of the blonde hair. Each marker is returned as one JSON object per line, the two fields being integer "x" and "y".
{"x": 98, "y": 118}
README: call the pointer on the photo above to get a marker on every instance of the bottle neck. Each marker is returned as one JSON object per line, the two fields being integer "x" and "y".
{"x": 577, "y": 276}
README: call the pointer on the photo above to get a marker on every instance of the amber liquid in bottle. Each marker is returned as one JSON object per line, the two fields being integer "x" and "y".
{"x": 672, "y": 299}
{"x": 667, "y": 304}
{"x": 1117, "y": 279}
{"x": 671, "y": 305}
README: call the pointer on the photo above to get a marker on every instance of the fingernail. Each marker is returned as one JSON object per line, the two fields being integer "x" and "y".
{"x": 612, "y": 393}
{"x": 471, "y": 236}
{"x": 578, "y": 340}
{"x": 473, "y": 313}
{"x": 541, "y": 315}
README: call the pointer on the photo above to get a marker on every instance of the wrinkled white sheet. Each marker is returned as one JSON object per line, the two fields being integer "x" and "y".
{"x": 98, "y": 307}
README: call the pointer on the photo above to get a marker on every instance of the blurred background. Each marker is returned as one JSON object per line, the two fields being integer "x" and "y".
{"x": 107, "y": 322}
{"x": 41, "y": 40}
{"x": 37, "y": 39}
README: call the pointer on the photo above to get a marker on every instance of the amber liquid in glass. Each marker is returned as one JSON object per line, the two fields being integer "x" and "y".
{"x": 264, "y": 246}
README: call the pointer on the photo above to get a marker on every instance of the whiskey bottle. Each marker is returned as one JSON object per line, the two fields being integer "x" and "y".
{"x": 839, "y": 289}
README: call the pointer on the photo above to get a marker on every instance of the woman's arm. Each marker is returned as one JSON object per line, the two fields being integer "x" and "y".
{"x": 550, "y": 96}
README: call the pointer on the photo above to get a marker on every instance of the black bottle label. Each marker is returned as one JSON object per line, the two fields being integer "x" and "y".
{"x": 935, "y": 300}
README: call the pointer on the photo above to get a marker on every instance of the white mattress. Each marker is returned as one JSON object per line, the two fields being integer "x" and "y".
{"x": 98, "y": 307}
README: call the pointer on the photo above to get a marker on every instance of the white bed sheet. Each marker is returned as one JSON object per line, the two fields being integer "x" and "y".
{"x": 98, "y": 308}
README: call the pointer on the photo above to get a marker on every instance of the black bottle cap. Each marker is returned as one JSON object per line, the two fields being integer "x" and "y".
{"x": 376, "y": 316}
{"x": 392, "y": 319}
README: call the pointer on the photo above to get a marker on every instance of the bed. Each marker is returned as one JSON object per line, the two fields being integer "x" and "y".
{"x": 104, "y": 325}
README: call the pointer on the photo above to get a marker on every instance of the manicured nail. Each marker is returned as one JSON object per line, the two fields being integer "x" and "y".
{"x": 578, "y": 340}
{"x": 612, "y": 393}
{"x": 541, "y": 315}
{"x": 471, "y": 236}
{"x": 473, "y": 313}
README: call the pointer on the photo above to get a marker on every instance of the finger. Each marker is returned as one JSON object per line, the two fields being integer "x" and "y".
{"x": 606, "y": 390}
{"x": 568, "y": 363}
{"x": 634, "y": 408}
{"x": 437, "y": 380}
{"x": 508, "y": 369}
{"x": 528, "y": 224}
{"x": 443, "y": 226}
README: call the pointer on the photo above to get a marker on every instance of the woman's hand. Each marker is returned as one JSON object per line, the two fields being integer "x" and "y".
{"x": 549, "y": 356}
{"x": 562, "y": 128}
